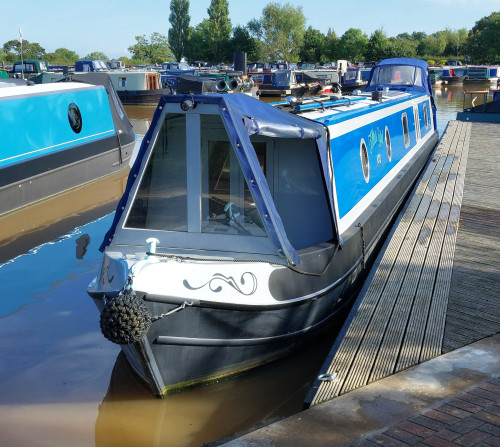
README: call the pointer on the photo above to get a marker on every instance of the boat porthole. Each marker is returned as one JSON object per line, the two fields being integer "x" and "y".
{"x": 388, "y": 143}
{"x": 406, "y": 132}
{"x": 75, "y": 117}
{"x": 365, "y": 162}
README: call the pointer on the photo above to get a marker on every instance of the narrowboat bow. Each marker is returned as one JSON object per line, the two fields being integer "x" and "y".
{"x": 245, "y": 227}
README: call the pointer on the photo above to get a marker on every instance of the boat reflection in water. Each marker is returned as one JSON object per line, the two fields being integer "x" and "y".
{"x": 129, "y": 417}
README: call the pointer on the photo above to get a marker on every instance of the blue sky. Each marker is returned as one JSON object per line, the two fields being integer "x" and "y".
{"x": 110, "y": 26}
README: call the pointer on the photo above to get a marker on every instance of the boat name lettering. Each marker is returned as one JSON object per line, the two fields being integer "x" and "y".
{"x": 215, "y": 286}
{"x": 374, "y": 137}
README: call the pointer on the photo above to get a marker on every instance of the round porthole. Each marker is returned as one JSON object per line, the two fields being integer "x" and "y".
{"x": 388, "y": 143}
{"x": 365, "y": 162}
{"x": 75, "y": 117}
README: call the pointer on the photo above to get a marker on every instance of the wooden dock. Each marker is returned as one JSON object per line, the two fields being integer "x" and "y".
{"x": 435, "y": 285}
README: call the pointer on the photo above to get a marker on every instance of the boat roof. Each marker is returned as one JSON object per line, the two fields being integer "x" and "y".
{"x": 15, "y": 90}
{"x": 422, "y": 65}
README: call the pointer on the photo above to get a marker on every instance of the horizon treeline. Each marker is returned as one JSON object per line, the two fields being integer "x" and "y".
{"x": 281, "y": 34}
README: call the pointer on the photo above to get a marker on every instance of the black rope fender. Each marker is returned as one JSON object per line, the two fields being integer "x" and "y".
{"x": 125, "y": 319}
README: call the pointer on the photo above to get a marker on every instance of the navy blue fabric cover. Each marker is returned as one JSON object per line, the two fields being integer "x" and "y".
{"x": 236, "y": 110}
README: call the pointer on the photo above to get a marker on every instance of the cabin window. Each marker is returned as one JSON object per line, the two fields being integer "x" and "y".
{"x": 299, "y": 192}
{"x": 365, "y": 162}
{"x": 406, "y": 132}
{"x": 417, "y": 122}
{"x": 161, "y": 199}
{"x": 227, "y": 203}
{"x": 122, "y": 82}
{"x": 426, "y": 116}
{"x": 388, "y": 143}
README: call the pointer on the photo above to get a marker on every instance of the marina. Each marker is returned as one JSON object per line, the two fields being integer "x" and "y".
{"x": 70, "y": 396}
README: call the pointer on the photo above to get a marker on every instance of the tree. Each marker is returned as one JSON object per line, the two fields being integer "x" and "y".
{"x": 402, "y": 48}
{"x": 219, "y": 27}
{"x": 331, "y": 44}
{"x": 378, "y": 46}
{"x": 313, "y": 46}
{"x": 283, "y": 31}
{"x": 178, "y": 34}
{"x": 483, "y": 43}
{"x": 152, "y": 51}
{"x": 62, "y": 56}
{"x": 243, "y": 42}
{"x": 30, "y": 50}
{"x": 352, "y": 45}
{"x": 197, "y": 49}
{"x": 97, "y": 55}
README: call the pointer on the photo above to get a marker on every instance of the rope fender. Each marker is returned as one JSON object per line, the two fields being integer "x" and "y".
{"x": 125, "y": 319}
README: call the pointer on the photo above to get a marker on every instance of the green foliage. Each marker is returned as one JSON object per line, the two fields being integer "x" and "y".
{"x": 243, "y": 42}
{"x": 313, "y": 46}
{"x": 378, "y": 46}
{"x": 483, "y": 42}
{"x": 283, "y": 29}
{"x": 178, "y": 34}
{"x": 331, "y": 44}
{"x": 219, "y": 27}
{"x": 97, "y": 55}
{"x": 352, "y": 45}
{"x": 402, "y": 48}
{"x": 30, "y": 50}
{"x": 153, "y": 51}
{"x": 197, "y": 48}
{"x": 62, "y": 56}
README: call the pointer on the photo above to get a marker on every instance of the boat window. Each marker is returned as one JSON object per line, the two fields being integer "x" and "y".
{"x": 417, "y": 122}
{"x": 299, "y": 192}
{"x": 388, "y": 143}
{"x": 426, "y": 115}
{"x": 365, "y": 162}
{"x": 227, "y": 203}
{"x": 161, "y": 199}
{"x": 406, "y": 132}
{"x": 396, "y": 75}
{"x": 122, "y": 82}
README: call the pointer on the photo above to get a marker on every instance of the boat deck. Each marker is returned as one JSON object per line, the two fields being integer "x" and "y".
{"x": 434, "y": 287}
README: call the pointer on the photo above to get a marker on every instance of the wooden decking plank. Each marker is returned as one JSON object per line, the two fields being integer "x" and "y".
{"x": 432, "y": 342}
{"x": 349, "y": 347}
{"x": 416, "y": 264}
{"x": 380, "y": 327}
{"x": 474, "y": 293}
{"x": 389, "y": 351}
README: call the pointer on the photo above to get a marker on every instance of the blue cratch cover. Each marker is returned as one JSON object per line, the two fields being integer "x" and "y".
{"x": 402, "y": 73}
{"x": 245, "y": 116}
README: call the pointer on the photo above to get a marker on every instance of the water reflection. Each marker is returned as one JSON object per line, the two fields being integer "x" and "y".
{"x": 129, "y": 416}
{"x": 63, "y": 383}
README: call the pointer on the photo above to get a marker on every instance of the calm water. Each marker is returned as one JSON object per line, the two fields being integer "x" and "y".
{"x": 63, "y": 384}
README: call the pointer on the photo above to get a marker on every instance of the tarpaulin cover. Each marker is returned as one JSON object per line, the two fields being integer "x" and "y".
{"x": 245, "y": 116}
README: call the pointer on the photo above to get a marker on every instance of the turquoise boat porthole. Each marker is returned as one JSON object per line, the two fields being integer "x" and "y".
{"x": 75, "y": 117}
{"x": 365, "y": 162}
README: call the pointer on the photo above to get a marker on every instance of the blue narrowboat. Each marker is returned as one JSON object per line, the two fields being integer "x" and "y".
{"x": 245, "y": 227}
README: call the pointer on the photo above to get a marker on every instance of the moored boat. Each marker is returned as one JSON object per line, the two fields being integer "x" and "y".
{"x": 453, "y": 75}
{"x": 58, "y": 136}
{"x": 246, "y": 227}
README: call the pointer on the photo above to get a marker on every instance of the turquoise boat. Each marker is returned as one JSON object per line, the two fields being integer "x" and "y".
{"x": 58, "y": 136}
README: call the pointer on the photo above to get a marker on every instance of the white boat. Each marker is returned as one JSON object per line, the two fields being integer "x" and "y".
{"x": 246, "y": 227}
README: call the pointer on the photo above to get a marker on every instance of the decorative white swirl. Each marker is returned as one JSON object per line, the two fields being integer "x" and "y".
{"x": 218, "y": 277}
